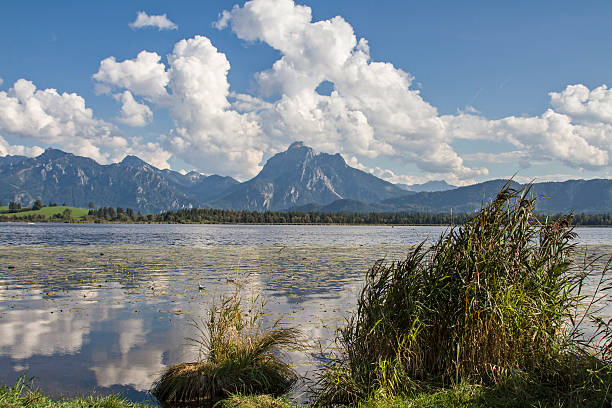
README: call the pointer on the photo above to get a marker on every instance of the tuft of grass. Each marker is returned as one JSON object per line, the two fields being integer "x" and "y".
{"x": 461, "y": 396}
{"x": 255, "y": 401}
{"x": 23, "y": 395}
{"x": 241, "y": 357}
{"x": 494, "y": 300}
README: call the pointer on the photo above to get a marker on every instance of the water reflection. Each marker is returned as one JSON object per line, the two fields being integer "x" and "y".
{"x": 85, "y": 317}
{"x": 112, "y": 318}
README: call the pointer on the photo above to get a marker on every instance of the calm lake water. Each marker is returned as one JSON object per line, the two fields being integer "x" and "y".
{"x": 86, "y": 307}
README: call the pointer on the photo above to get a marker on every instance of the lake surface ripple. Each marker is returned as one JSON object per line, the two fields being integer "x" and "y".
{"x": 107, "y": 307}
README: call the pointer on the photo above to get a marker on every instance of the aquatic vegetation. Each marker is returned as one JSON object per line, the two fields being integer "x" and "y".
{"x": 494, "y": 302}
{"x": 240, "y": 356}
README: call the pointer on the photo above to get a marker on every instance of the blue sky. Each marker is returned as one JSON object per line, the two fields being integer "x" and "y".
{"x": 461, "y": 91}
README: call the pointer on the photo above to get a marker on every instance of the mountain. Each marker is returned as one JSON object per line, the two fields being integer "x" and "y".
{"x": 581, "y": 196}
{"x": 299, "y": 177}
{"x": 461, "y": 199}
{"x": 294, "y": 180}
{"x": 347, "y": 206}
{"x": 65, "y": 178}
{"x": 429, "y": 186}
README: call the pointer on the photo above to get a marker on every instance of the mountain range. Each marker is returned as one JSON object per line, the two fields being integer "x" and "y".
{"x": 297, "y": 179}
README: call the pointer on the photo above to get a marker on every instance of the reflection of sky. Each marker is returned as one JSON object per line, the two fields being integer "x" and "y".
{"x": 112, "y": 318}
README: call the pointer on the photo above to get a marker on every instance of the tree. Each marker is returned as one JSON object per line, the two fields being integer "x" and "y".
{"x": 67, "y": 214}
{"x": 14, "y": 206}
{"x": 37, "y": 205}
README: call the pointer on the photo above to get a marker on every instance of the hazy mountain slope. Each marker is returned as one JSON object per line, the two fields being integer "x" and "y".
{"x": 429, "y": 186}
{"x": 297, "y": 179}
{"x": 65, "y": 178}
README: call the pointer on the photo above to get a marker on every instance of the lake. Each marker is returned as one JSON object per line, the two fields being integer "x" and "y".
{"x": 107, "y": 307}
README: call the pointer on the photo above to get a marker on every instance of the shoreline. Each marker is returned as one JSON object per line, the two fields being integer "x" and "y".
{"x": 20, "y": 220}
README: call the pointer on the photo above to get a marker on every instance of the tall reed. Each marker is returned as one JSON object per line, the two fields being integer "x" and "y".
{"x": 491, "y": 299}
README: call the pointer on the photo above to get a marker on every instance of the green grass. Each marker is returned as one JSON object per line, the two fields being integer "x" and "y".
{"x": 21, "y": 395}
{"x": 255, "y": 401}
{"x": 48, "y": 212}
{"x": 496, "y": 301}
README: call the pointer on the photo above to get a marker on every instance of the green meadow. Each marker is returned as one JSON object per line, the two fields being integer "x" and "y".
{"x": 47, "y": 212}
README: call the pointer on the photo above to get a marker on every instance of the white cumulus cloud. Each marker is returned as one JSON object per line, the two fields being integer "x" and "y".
{"x": 160, "y": 21}
{"x": 194, "y": 88}
{"x": 580, "y": 103}
{"x": 53, "y": 118}
{"x": 145, "y": 75}
{"x": 133, "y": 113}
{"x": 372, "y": 110}
{"x": 17, "y": 150}
{"x": 62, "y": 119}
{"x": 549, "y": 137}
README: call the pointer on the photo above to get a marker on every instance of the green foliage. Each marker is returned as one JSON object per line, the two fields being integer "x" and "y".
{"x": 14, "y": 206}
{"x": 207, "y": 215}
{"x": 492, "y": 300}
{"x": 23, "y": 395}
{"x": 45, "y": 214}
{"x": 255, "y": 401}
{"x": 240, "y": 357}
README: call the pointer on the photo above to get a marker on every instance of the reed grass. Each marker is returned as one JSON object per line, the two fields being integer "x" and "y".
{"x": 24, "y": 395}
{"x": 239, "y": 357}
{"x": 494, "y": 302}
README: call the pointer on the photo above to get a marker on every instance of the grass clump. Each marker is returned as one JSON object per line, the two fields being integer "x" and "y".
{"x": 494, "y": 302}
{"x": 255, "y": 401}
{"x": 240, "y": 357}
{"x": 22, "y": 395}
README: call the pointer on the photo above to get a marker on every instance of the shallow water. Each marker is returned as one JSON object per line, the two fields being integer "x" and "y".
{"x": 108, "y": 307}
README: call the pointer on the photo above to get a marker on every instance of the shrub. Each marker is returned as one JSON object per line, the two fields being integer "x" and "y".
{"x": 492, "y": 300}
{"x": 241, "y": 357}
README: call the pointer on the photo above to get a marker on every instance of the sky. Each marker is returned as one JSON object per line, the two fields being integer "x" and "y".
{"x": 410, "y": 91}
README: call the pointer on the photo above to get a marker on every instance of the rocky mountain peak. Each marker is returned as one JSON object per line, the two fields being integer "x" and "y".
{"x": 298, "y": 176}
{"x": 133, "y": 161}
{"x": 53, "y": 154}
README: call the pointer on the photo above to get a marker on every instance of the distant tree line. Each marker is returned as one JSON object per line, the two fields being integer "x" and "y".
{"x": 215, "y": 216}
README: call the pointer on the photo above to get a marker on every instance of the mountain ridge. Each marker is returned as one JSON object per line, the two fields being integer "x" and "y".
{"x": 297, "y": 179}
